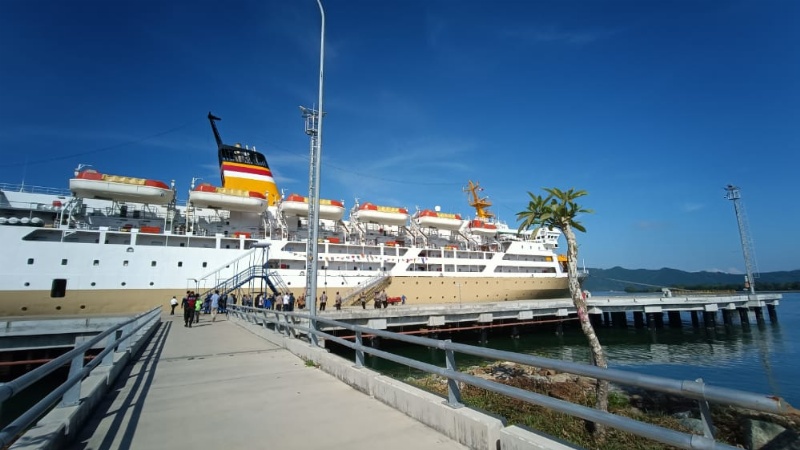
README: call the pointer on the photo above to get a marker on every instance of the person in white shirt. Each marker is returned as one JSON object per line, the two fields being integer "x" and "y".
{"x": 173, "y": 302}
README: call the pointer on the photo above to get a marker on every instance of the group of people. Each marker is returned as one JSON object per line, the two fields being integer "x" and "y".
{"x": 284, "y": 302}
{"x": 192, "y": 306}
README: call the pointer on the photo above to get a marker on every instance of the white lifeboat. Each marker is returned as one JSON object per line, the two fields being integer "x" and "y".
{"x": 386, "y": 215}
{"x": 208, "y": 196}
{"x": 93, "y": 184}
{"x": 440, "y": 220}
{"x": 297, "y": 205}
{"x": 482, "y": 228}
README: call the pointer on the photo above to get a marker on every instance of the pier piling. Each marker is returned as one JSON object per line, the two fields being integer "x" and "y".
{"x": 619, "y": 319}
{"x": 727, "y": 317}
{"x": 744, "y": 317}
{"x": 773, "y": 313}
{"x": 759, "y": 315}
{"x": 710, "y": 319}
{"x": 659, "y": 319}
{"x": 695, "y": 319}
{"x": 596, "y": 320}
{"x": 675, "y": 319}
{"x": 638, "y": 319}
{"x": 607, "y": 319}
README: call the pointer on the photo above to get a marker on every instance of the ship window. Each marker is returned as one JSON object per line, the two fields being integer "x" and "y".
{"x": 123, "y": 283}
{"x": 58, "y": 288}
{"x": 93, "y": 283}
{"x": 63, "y": 262}
{"x": 151, "y": 283}
{"x": 96, "y": 262}
{"x": 30, "y": 261}
{"x": 205, "y": 264}
{"x": 125, "y": 263}
{"x": 180, "y": 263}
{"x": 152, "y": 263}
{"x": 27, "y": 284}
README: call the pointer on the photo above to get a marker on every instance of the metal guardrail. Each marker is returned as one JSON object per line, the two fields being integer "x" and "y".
{"x": 295, "y": 324}
{"x": 69, "y": 392}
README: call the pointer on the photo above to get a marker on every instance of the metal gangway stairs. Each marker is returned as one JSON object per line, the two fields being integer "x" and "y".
{"x": 273, "y": 281}
{"x": 369, "y": 289}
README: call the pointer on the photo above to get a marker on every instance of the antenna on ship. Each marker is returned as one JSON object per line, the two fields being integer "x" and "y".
{"x": 744, "y": 235}
{"x": 212, "y": 118}
{"x": 480, "y": 204}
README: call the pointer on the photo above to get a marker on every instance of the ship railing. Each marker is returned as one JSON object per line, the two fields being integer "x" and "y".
{"x": 121, "y": 342}
{"x": 35, "y": 189}
{"x": 278, "y": 281}
{"x": 302, "y": 326}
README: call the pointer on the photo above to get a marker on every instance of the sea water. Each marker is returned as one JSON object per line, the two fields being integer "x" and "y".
{"x": 763, "y": 359}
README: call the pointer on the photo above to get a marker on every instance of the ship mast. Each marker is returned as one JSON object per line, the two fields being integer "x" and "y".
{"x": 212, "y": 118}
{"x": 480, "y": 204}
{"x": 744, "y": 235}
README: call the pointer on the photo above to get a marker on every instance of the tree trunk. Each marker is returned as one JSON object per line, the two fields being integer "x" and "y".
{"x": 598, "y": 356}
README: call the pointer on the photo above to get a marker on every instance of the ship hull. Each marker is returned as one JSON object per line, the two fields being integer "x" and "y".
{"x": 418, "y": 291}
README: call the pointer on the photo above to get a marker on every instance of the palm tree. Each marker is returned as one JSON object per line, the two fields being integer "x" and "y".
{"x": 559, "y": 210}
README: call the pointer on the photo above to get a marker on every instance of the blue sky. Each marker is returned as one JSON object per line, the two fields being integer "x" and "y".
{"x": 652, "y": 107}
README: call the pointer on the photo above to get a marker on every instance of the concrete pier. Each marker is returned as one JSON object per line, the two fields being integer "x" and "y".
{"x": 221, "y": 386}
{"x": 638, "y": 319}
{"x": 695, "y": 319}
{"x": 675, "y": 319}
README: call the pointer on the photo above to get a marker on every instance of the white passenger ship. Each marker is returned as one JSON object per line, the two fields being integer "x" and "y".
{"x": 119, "y": 244}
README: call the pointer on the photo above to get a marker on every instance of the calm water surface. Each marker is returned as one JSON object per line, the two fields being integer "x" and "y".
{"x": 764, "y": 359}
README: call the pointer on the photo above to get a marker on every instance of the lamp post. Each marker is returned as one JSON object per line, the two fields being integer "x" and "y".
{"x": 314, "y": 129}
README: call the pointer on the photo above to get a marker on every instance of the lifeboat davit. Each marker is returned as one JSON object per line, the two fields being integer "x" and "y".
{"x": 208, "y": 196}
{"x": 386, "y": 215}
{"x": 482, "y": 228}
{"x": 297, "y": 205}
{"x": 440, "y": 220}
{"x": 90, "y": 183}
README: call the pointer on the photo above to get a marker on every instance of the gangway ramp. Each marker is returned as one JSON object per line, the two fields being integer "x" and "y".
{"x": 218, "y": 385}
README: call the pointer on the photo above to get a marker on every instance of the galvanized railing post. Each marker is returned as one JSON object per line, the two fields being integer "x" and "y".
{"x": 453, "y": 392}
{"x": 359, "y": 350}
{"x": 705, "y": 416}
{"x": 109, "y": 358}
{"x": 73, "y": 395}
{"x": 126, "y": 344}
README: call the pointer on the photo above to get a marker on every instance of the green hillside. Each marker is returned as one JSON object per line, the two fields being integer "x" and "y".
{"x": 620, "y": 279}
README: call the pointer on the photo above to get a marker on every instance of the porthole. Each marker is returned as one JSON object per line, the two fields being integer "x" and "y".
{"x": 96, "y": 262}
{"x": 24, "y": 308}
{"x": 27, "y": 284}
{"x": 123, "y": 283}
{"x": 30, "y": 261}
{"x": 152, "y": 263}
{"x": 180, "y": 263}
{"x": 205, "y": 264}
{"x": 151, "y": 283}
{"x": 125, "y": 263}
{"x": 93, "y": 283}
{"x": 58, "y": 308}
{"x": 83, "y": 306}
{"x": 63, "y": 262}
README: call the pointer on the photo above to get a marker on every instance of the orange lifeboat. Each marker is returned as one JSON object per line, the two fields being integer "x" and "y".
{"x": 208, "y": 196}
{"x": 440, "y": 220}
{"x": 387, "y": 215}
{"x": 483, "y": 228}
{"x": 297, "y": 205}
{"x": 90, "y": 183}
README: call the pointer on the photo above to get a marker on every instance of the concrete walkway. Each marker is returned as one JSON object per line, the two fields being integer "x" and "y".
{"x": 218, "y": 386}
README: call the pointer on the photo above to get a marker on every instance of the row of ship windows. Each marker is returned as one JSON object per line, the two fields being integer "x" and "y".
{"x": 96, "y": 262}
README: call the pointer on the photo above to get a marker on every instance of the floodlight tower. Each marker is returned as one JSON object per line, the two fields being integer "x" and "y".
{"x": 744, "y": 235}
{"x": 313, "y": 119}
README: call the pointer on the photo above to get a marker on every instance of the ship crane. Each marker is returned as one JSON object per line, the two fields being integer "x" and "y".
{"x": 732, "y": 193}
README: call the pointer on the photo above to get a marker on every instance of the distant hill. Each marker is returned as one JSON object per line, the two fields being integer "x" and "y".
{"x": 620, "y": 279}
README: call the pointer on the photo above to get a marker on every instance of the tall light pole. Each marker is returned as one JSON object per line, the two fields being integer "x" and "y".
{"x": 314, "y": 129}
{"x": 747, "y": 246}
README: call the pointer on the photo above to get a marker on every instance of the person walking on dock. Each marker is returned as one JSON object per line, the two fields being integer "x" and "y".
{"x": 188, "y": 306}
{"x": 337, "y": 302}
{"x": 363, "y": 299}
{"x": 214, "y": 306}
{"x": 198, "y": 308}
{"x": 323, "y": 299}
{"x": 173, "y": 302}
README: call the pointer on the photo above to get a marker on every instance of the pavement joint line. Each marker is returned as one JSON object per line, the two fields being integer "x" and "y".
{"x": 213, "y": 355}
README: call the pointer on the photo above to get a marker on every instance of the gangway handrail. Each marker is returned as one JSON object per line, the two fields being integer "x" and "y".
{"x": 292, "y": 323}
{"x": 216, "y": 271}
{"x": 78, "y": 371}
